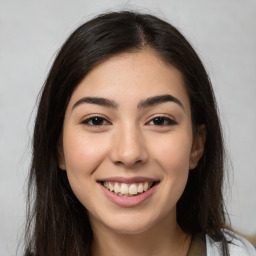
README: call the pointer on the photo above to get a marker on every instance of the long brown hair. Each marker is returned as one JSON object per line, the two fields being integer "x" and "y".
{"x": 57, "y": 223}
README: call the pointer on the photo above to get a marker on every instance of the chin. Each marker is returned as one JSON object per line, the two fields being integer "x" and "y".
{"x": 130, "y": 225}
{"x": 130, "y": 229}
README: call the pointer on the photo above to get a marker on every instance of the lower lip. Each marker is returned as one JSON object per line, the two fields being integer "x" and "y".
{"x": 129, "y": 201}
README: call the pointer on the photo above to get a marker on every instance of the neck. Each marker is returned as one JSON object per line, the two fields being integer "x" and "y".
{"x": 162, "y": 240}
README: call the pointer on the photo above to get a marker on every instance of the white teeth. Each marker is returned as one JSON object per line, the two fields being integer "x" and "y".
{"x": 133, "y": 190}
{"x": 106, "y": 184}
{"x": 124, "y": 189}
{"x": 116, "y": 188}
{"x": 110, "y": 186}
{"x": 145, "y": 186}
{"x": 140, "y": 188}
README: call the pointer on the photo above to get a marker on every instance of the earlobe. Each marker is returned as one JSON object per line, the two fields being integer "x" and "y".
{"x": 62, "y": 166}
{"x": 61, "y": 159}
{"x": 197, "y": 147}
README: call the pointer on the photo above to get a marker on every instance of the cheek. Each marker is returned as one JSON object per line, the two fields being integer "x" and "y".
{"x": 173, "y": 153}
{"x": 83, "y": 153}
{"x": 173, "y": 156}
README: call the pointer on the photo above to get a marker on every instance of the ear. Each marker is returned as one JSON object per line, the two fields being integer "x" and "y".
{"x": 197, "y": 149}
{"x": 61, "y": 158}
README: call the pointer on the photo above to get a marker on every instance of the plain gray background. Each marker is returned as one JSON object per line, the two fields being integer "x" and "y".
{"x": 222, "y": 32}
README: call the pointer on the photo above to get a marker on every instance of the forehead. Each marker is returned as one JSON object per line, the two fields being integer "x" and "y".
{"x": 133, "y": 76}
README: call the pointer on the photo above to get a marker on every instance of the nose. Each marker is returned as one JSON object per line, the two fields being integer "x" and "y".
{"x": 128, "y": 148}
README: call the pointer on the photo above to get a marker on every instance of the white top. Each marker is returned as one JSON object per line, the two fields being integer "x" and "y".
{"x": 238, "y": 246}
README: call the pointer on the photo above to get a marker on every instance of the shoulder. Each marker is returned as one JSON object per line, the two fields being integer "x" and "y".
{"x": 238, "y": 246}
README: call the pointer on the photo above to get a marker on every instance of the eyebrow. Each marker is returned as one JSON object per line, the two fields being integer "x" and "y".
{"x": 149, "y": 102}
{"x": 98, "y": 101}
{"x": 157, "y": 100}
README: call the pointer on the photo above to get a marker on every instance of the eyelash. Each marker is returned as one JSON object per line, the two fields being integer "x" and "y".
{"x": 165, "y": 121}
{"x": 100, "y": 121}
{"x": 94, "y": 118}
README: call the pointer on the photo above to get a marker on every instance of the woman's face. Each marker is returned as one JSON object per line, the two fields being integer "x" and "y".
{"x": 128, "y": 144}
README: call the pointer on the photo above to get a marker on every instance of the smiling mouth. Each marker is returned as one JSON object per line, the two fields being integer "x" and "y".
{"x": 128, "y": 190}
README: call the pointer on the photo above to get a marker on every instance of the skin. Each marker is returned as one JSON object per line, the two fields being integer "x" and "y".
{"x": 128, "y": 142}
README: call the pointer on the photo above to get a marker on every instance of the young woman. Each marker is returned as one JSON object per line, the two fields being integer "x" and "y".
{"x": 127, "y": 149}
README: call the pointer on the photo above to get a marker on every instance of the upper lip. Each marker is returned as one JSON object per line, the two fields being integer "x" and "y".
{"x": 136, "y": 179}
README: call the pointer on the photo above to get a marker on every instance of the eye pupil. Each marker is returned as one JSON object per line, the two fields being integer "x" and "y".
{"x": 97, "y": 121}
{"x": 158, "y": 121}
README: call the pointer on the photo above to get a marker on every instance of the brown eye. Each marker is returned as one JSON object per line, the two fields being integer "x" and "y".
{"x": 95, "y": 121}
{"x": 162, "y": 121}
{"x": 159, "y": 121}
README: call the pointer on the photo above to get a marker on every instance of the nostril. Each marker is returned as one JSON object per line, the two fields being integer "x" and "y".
{"x": 128, "y": 163}
{"x": 128, "y": 153}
